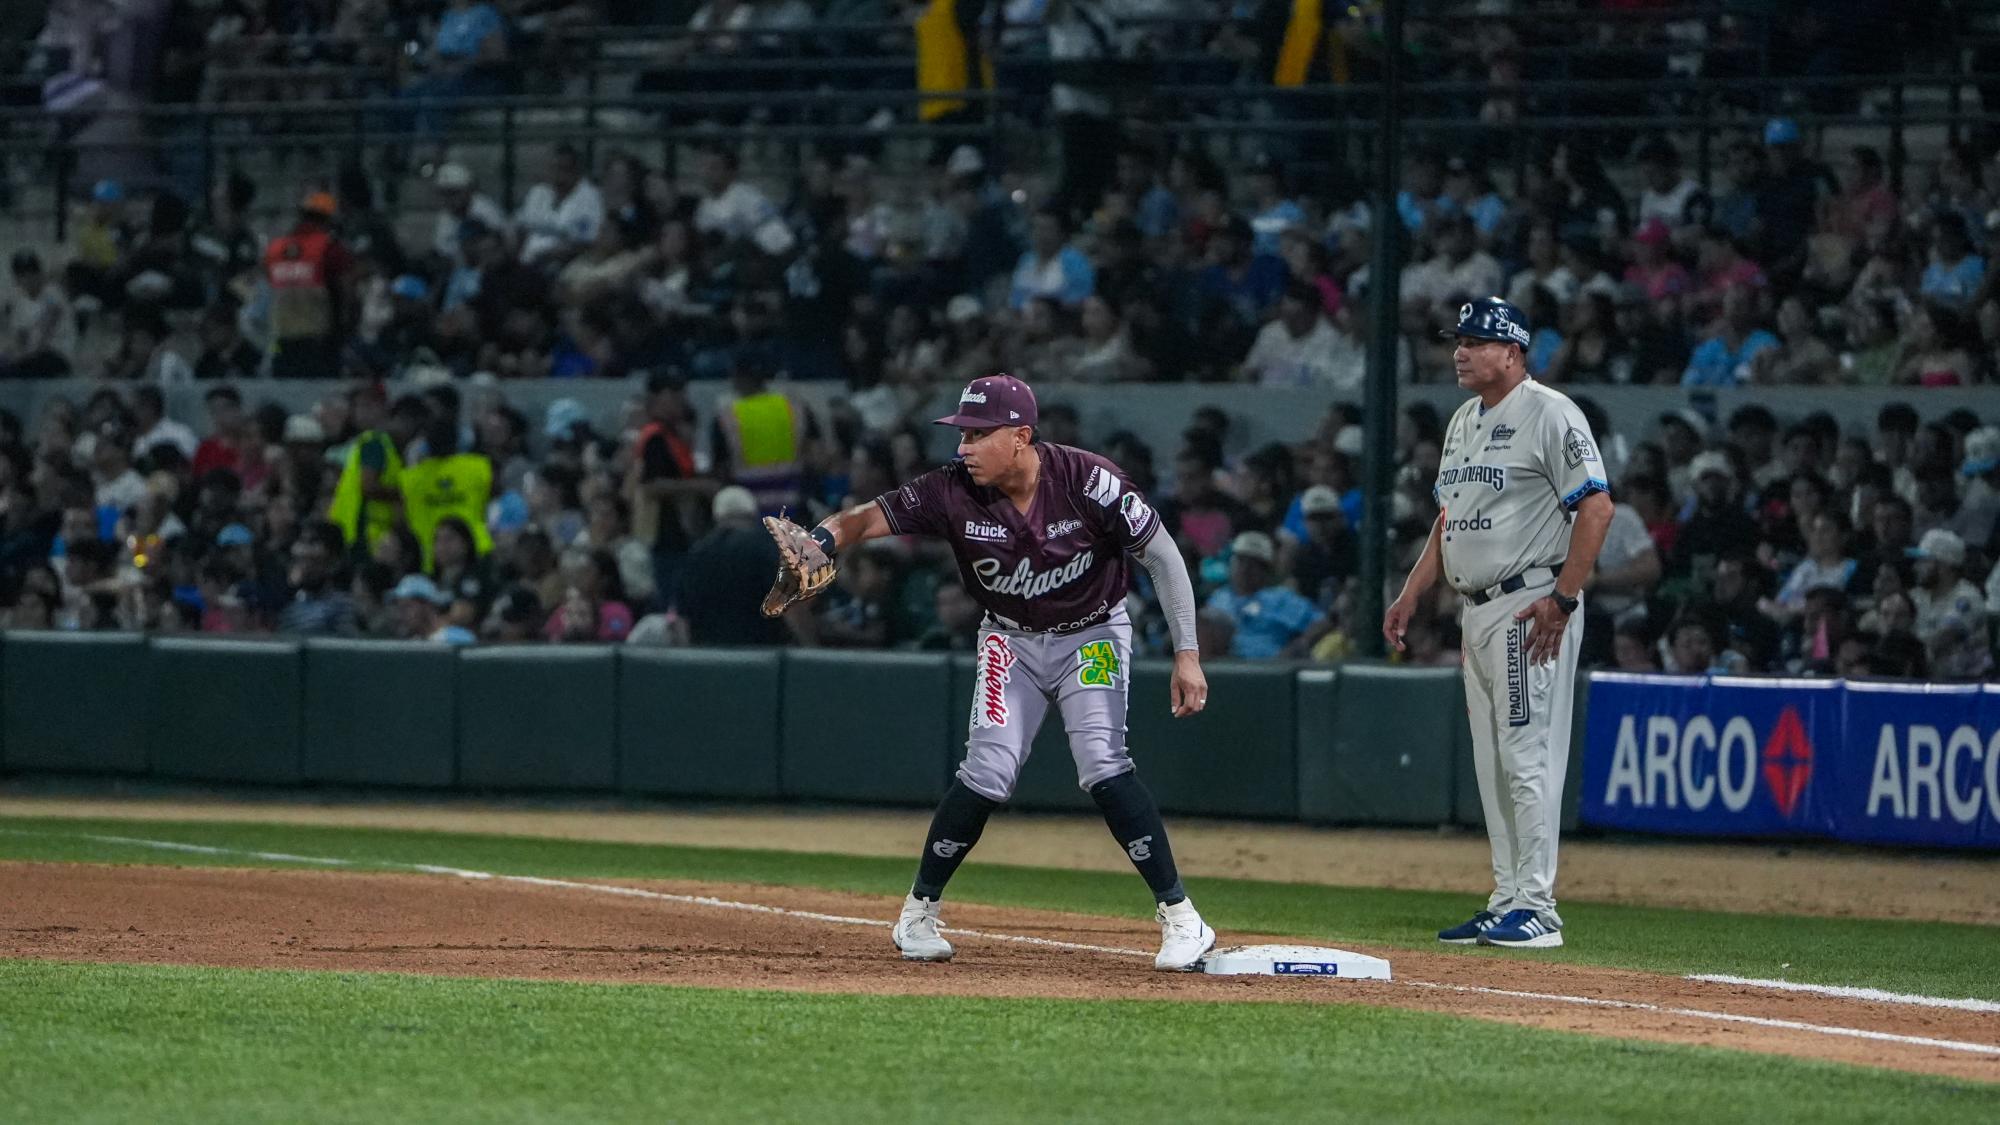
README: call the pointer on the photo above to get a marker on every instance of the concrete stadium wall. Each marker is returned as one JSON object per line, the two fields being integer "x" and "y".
{"x": 1352, "y": 745}
{"x": 1156, "y": 412}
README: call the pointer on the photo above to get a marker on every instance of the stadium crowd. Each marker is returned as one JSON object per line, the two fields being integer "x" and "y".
{"x": 1748, "y": 543}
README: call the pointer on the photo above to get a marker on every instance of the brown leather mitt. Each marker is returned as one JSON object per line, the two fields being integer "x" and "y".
{"x": 803, "y": 568}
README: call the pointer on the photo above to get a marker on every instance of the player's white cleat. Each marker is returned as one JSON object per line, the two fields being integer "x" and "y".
{"x": 916, "y": 932}
{"x": 1184, "y": 938}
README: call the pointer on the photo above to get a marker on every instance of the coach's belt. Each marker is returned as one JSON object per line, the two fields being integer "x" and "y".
{"x": 1520, "y": 581}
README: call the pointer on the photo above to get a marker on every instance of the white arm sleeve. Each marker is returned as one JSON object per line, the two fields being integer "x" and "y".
{"x": 1162, "y": 560}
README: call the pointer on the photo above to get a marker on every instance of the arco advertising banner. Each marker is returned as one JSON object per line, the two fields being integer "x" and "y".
{"x": 1870, "y": 762}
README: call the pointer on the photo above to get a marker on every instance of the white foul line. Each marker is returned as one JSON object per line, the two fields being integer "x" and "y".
{"x": 600, "y": 888}
{"x": 1046, "y": 943}
{"x": 1725, "y": 1017}
{"x": 1845, "y": 992}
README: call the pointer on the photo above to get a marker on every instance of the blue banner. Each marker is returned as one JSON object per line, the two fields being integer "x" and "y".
{"x": 1913, "y": 764}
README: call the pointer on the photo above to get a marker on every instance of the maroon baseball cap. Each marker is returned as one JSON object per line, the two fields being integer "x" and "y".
{"x": 997, "y": 400}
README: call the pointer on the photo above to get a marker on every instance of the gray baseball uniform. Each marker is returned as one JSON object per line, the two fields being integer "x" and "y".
{"x": 1508, "y": 482}
{"x": 1053, "y": 581}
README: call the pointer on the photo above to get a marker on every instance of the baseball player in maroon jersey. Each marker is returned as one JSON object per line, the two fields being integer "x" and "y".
{"x": 1041, "y": 533}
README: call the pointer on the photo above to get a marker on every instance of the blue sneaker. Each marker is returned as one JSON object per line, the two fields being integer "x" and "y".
{"x": 1523, "y": 929}
{"x": 1467, "y": 932}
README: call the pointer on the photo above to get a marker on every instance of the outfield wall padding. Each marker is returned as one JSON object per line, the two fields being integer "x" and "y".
{"x": 866, "y": 726}
{"x": 227, "y": 710}
{"x": 1376, "y": 744}
{"x": 535, "y": 718}
{"x": 1237, "y": 758}
{"x": 699, "y": 722}
{"x": 381, "y": 713}
{"x": 74, "y": 702}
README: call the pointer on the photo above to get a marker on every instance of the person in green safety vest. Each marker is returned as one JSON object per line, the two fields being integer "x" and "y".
{"x": 368, "y": 499}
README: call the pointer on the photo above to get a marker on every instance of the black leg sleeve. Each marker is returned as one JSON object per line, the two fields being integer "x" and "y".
{"x": 955, "y": 827}
{"x": 1134, "y": 820}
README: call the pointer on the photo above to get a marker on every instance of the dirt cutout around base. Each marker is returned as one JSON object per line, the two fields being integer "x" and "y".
{"x": 451, "y": 926}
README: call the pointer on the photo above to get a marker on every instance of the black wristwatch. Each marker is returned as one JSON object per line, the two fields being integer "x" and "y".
{"x": 1566, "y": 604}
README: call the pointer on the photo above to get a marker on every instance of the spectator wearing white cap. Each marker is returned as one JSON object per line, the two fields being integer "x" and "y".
{"x": 1941, "y": 593}
{"x": 419, "y": 607}
{"x": 459, "y": 202}
{"x": 1718, "y": 525}
{"x": 1328, "y": 554}
{"x": 1977, "y": 520}
{"x": 726, "y": 575}
{"x": 1273, "y": 621}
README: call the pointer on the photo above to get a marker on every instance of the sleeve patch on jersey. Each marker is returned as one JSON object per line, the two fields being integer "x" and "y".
{"x": 1586, "y": 488}
{"x": 910, "y": 496}
{"x": 1135, "y": 510}
{"x": 1578, "y": 448}
{"x": 1102, "y": 487}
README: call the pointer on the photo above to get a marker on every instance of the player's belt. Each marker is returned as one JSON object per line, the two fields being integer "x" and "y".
{"x": 1529, "y": 577}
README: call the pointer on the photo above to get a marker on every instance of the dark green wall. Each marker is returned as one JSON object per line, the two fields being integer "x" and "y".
{"x": 1358, "y": 744}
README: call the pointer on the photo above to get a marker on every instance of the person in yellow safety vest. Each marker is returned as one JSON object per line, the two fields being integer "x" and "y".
{"x": 447, "y": 483}
{"x": 368, "y": 498}
{"x": 762, "y": 439}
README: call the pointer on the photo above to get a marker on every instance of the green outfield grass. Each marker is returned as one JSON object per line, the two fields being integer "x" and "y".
{"x": 117, "y": 1043}
{"x": 1935, "y": 959}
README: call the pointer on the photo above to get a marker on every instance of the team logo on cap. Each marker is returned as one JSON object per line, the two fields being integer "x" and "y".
{"x": 973, "y": 396}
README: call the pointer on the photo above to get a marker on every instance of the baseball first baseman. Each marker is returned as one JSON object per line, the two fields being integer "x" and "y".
{"x": 1523, "y": 507}
{"x": 1041, "y": 533}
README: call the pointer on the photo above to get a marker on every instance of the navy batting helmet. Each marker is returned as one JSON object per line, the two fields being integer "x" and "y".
{"x": 1490, "y": 318}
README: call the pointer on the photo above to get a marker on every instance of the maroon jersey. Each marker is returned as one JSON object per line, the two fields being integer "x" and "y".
{"x": 1058, "y": 566}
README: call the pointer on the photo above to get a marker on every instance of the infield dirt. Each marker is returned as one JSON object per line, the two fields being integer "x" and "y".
{"x": 447, "y": 925}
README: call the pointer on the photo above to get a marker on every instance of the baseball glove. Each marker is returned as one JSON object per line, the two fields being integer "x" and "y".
{"x": 803, "y": 568}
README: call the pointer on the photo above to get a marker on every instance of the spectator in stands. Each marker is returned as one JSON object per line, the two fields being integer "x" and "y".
{"x": 318, "y": 607}
{"x": 1671, "y": 198}
{"x": 1955, "y": 273}
{"x": 310, "y": 274}
{"x": 1790, "y": 197}
{"x": 37, "y": 330}
{"x": 1272, "y": 621}
{"x": 1299, "y": 348}
{"x": 736, "y": 212}
{"x": 466, "y": 54}
{"x": 858, "y": 612}
{"x": 1727, "y": 358}
{"x": 593, "y": 606}
{"x": 1941, "y": 593}
{"x": 459, "y": 203}
{"x": 419, "y": 607}
{"x": 1865, "y": 207}
{"x": 560, "y": 216}
{"x": 956, "y": 628}
{"x": 1940, "y": 349}
{"x": 1658, "y": 276}
{"x": 1051, "y": 267}
{"x": 1457, "y": 273}
{"x": 727, "y": 574}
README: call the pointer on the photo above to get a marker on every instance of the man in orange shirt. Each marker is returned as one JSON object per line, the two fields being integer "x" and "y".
{"x": 309, "y": 272}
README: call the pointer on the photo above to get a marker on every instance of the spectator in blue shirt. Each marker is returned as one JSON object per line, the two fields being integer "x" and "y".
{"x": 1155, "y": 209}
{"x": 1723, "y": 360}
{"x": 1272, "y": 214}
{"x": 1051, "y": 267}
{"x": 1423, "y": 196}
{"x": 1955, "y": 272}
{"x": 1273, "y": 621}
{"x": 1237, "y": 276}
